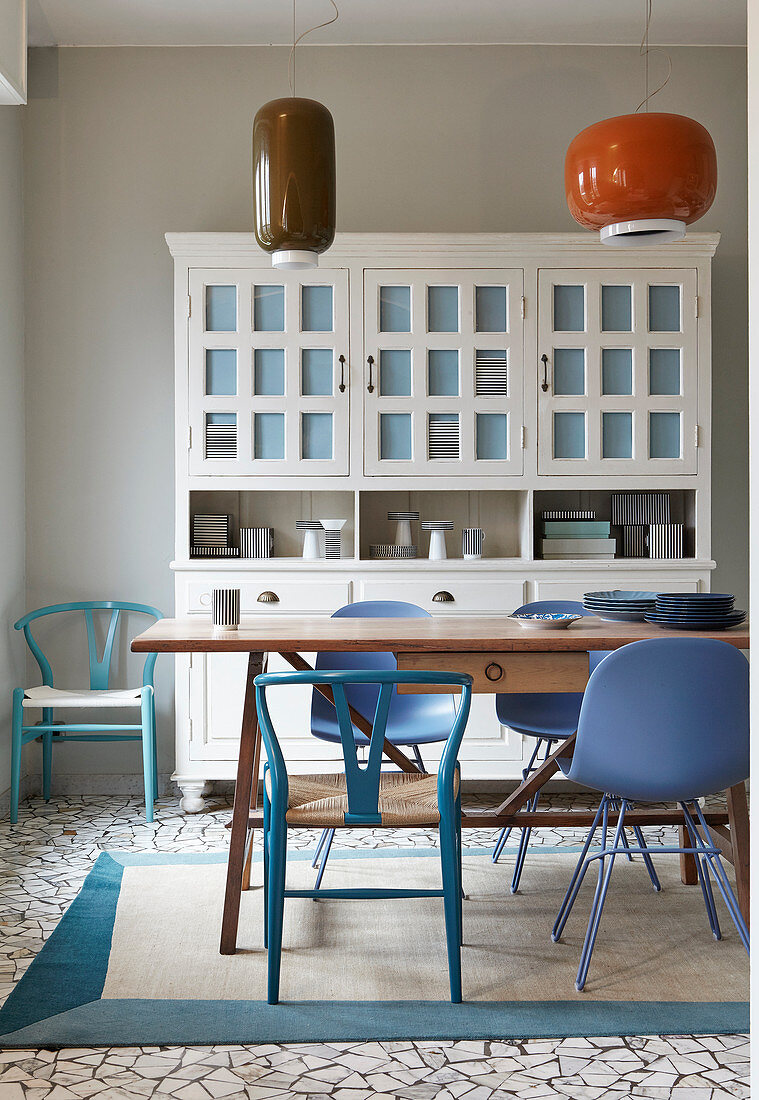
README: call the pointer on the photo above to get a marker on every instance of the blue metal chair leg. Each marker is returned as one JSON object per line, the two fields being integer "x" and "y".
{"x": 16, "y": 746}
{"x": 319, "y": 846}
{"x": 276, "y": 903}
{"x": 577, "y": 875}
{"x": 524, "y": 842}
{"x": 505, "y": 833}
{"x": 459, "y": 853}
{"x": 503, "y": 836}
{"x": 638, "y": 834}
{"x": 604, "y": 876}
{"x": 702, "y": 868}
{"x": 721, "y": 878}
{"x": 451, "y": 900}
{"x": 267, "y": 825}
{"x": 325, "y": 857}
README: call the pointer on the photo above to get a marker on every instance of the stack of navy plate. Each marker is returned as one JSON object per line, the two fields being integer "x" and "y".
{"x": 619, "y": 606}
{"x": 695, "y": 611}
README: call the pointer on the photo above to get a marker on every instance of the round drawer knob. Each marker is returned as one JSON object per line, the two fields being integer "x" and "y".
{"x": 443, "y": 597}
{"x": 268, "y": 597}
{"x": 205, "y": 599}
{"x": 493, "y": 671}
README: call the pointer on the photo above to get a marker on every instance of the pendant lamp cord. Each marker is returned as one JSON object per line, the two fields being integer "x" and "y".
{"x": 645, "y": 50}
{"x": 291, "y": 60}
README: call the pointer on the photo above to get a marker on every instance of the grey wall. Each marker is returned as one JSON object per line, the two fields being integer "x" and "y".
{"x": 11, "y": 420}
{"x": 125, "y": 144}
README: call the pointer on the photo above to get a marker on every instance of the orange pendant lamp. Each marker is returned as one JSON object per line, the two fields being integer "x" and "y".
{"x": 294, "y": 175}
{"x": 641, "y": 178}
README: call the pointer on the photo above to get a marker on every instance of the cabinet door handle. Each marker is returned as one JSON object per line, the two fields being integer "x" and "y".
{"x": 268, "y": 597}
{"x": 544, "y": 383}
{"x": 370, "y": 361}
{"x": 341, "y": 361}
{"x": 443, "y": 597}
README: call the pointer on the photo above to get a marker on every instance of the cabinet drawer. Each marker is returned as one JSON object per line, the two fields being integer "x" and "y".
{"x": 468, "y": 596}
{"x": 291, "y": 596}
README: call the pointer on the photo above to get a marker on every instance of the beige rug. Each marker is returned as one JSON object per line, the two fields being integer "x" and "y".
{"x": 651, "y": 947}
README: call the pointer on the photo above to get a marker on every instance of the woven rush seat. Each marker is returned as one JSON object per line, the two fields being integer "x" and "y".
{"x": 322, "y": 800}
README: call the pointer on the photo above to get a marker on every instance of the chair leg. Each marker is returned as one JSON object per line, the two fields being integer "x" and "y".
{"x": 16, "y": 745}
{"x": 723, "y": 883}
{"x": 638, "y": 834}
{"x": 604, "y": 876}
{"x": 277, "y": 840}
{"x": 459, "y": 853}
{"x": 155, "y": 745}
{"x": 503, "y": 836}
{"x": 267, "y": 821}
{"x": 451, "y": 899}
{"x": 702, "y": 870}
{"x": 325, "y": 857}
{"x": 148, "y": 737}
{"x": 579, "y": 873}
{"x": 47, "y": 756}
{"x": 524, "y": 842}
{"x": 418, "y": 759}
{"x": 319, "y": 846}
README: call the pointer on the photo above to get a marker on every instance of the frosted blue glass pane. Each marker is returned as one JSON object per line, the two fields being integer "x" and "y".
{"x": 316, "y": 308}
{"x": 664, "y": 435}
{"x": 316, "y": 372}
{"x": 221, "y": 372}
{"x": 442, "y": 309}
{"x": 269, "y": 372}
{"x": 616, "y": 308}
{"x": 221, "y": 308}
{"x": 492, "y": 435}
{"x": 269, "y": 308}
{"x": 664, "y": 309}
{"x": 490, "y": 309}
{"x": 568, "y": 371}
{"x": 616, "y": 371}
{"x": 395, "y": 435}
{"x": 221, "y": 418}
{"x": 617, "y": 435}
{"x": 569, "y": 435}
{"x": 395, "y": 309}
{"x": 316, "y": 435}
{"x": 664, "y": 371}
{"x": 443, "y": 373}
{"x": 269, "y": 435}
{"x": 569, "y": 308}
{"x": 395, "y": 373}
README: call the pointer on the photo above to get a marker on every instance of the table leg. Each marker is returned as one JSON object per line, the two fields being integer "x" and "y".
{"x": 737, "y": 808}
{"x": 688, "y": 868}
{"x": 247, "y": 780}
{"x": 537, "y": 779}
{"x": 254, "y": 806}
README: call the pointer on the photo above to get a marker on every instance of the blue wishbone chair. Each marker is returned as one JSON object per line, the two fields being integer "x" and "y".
{"x": 414, "y": 720}
{"x": 362, "y": 795}
{"x": 549, "y": 718}
{"x": 683, "y": 737}
{"x": 50, "y": 699}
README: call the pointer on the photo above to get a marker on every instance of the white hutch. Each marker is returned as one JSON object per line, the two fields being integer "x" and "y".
{"x": 479, "y": 378}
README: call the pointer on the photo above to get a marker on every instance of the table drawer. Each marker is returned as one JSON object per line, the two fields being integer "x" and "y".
{"x": 288, "y": 596}
{"x": 503, "y": 673}
{"x": 454, "y": 595}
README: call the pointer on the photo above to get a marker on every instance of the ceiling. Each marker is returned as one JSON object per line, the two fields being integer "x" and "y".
{"x": 262, "y": 22}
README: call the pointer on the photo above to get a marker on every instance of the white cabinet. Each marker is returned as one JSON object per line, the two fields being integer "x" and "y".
{"x": 443, "y": 372}
{"x": 619, "y": 376}
{"x": 268, "y": 354}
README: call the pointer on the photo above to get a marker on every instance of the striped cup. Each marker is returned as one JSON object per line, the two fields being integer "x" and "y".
{"x": 226, "y": 608}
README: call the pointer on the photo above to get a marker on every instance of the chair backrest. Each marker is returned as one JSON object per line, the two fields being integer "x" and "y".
{"x": 362, "y": 780}
{"x": 665, "y": 719}
{"x": 408, "y": 713}
{"x": 100, "y": 663}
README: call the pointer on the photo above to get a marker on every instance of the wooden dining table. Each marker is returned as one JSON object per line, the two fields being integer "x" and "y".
{"x": 499, "y": 654}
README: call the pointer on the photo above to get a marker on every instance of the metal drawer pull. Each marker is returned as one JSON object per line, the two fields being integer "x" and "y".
{"x": 443, "y": 597}
{"x": 341, "y": 361}
{"x": 268, "y": 597}
{"x": 493, "y": 671}
{"x": 544, "y": 383}
{"x": 370, "y": 361}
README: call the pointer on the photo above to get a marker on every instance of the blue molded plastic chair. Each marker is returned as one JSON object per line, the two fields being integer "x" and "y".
{"x": 363, "y": 795}
{"x": 414, "y": 720}
{"x": 49, "y": 698}
{"x": 547, "y": 717}
{"x": 683, "y": 736}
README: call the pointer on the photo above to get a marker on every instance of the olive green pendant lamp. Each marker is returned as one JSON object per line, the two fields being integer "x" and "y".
{"x": 294, "y": 174}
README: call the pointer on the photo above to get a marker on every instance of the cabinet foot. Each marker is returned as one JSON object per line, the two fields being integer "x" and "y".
{"x": 192, "y": 801}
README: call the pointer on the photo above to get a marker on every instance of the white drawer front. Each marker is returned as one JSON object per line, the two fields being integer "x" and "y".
{"x": 291, "y": 596}
{"x": 480, "y": 596}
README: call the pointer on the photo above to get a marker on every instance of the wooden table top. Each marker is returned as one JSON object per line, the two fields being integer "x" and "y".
{"x": 469, "y": 634}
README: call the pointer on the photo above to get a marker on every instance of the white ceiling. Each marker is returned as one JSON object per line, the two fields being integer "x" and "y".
{"x": 259, "y": 22}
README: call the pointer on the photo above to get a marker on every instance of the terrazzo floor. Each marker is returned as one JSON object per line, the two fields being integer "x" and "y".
{"x": 45, "y": 858}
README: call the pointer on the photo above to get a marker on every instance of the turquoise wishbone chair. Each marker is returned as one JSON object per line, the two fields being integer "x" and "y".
{"x": 49, "y": 698}
{"x": 362, "y": 795}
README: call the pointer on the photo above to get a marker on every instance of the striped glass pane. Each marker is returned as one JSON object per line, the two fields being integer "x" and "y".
{"x": 443, "y": 440}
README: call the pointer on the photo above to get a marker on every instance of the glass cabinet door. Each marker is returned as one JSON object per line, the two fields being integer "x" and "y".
{"x": 268, "y": 354}
{"x": 443, "y": 372}
{"x": 617, "y": 372}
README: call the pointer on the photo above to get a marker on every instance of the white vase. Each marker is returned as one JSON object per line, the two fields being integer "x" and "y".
{"x": 437, "y": 546}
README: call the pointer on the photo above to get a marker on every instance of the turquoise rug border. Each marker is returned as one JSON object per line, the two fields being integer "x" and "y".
{"x": 58, "y": 1001}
